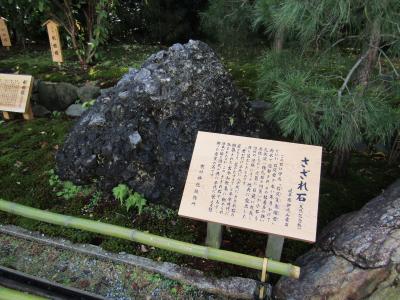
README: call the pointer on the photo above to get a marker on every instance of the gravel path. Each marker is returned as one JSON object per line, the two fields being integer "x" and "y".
{"x": 109, "y": 279}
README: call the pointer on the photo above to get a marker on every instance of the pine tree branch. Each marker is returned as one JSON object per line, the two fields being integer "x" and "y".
{"x": 341, "y": 40}
{"x": 348, "y": 77}
{"x": 388, "y": 59}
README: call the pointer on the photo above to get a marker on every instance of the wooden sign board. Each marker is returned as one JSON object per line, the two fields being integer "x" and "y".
{"x": 55, "y": 42}
{"x": 15, "y": 91}
{"x": 261, "y": 185}
{"x": 4, "y": 36}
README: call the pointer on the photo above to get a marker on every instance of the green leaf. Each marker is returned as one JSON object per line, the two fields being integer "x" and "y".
{"x": 121, "y": 192}
{"x": 140, "y": 204}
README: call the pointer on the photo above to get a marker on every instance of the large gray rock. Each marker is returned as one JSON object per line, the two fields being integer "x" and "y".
{"x": 142, "y": 131}
{"x": 356, "y": 257}
{"x": 56, "y": 96}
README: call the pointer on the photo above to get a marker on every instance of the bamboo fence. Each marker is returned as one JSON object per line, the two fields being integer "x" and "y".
{"x": 151, "y": 239}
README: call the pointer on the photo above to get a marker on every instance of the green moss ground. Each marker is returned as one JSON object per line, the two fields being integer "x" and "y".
{"x": 112, "y": 63}
{"x": 27, "y": 152}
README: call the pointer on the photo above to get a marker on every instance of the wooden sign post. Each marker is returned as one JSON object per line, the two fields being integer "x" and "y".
{"x": 261, "y": 185}
{"x": 5, "y": 37}
{"x": 15, "y": 92}
{"x": 55, "y": 42}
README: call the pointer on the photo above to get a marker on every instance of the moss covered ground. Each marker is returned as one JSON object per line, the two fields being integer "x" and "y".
{"x": 27, "y": 152}
{"x": 111, "y": 63}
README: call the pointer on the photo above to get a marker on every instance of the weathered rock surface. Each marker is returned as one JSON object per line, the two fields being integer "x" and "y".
{"x": 356, "y": 257}
{"x": 142, "y": 131}
{"x": 56, "y": 96}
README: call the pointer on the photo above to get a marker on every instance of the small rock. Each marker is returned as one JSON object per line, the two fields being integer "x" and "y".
{"x": 74, "y": 110}
{"x": 63, "y": 268}
{"x": 135, "y": 138}
{"x": 39, "y": 111}
{"x": 143, "y": 249}
{"x": 259, "y": 107}
{"x": 83, "y": 284}
{"x": 88, "y": 92}
{"x": 56, "y": 96}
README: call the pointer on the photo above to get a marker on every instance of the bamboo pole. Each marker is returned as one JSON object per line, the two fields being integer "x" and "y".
{"x": 151, "y": 239}
{"x": 8, "y": 294}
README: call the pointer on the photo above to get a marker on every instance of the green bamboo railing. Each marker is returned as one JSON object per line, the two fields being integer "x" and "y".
{"x": 9, "y": 294}
{"x": 151, "y": 239}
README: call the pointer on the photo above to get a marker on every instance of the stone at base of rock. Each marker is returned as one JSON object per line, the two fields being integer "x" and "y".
{"x": 74, "y": 110}
{"x": 56, "y": 95}
{"x": 259, "y": 107}
{"x": 88, "y": 92}
{"x": 39, "y": 111}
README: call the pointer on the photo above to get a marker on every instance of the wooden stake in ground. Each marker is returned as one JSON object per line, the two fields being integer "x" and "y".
{"x": 5, "y": 37}
{"x": 55, "y": 42}
{"x": 274, "y": 247}
{"x": 214, "y": 235}
{"x": 15, "y": 93}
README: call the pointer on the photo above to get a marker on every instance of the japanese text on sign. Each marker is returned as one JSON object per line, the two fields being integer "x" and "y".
{"x": 4, "y": 36}
{"x": 15, "y": 92}
{"x": 54, "y": 39}
{"x": 256, "y": 184}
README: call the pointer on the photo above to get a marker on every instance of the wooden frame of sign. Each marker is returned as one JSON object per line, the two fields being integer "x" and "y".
{"x": 4, "y": 35}
{"x": 261, "y": 185}
{"x": 15, "y": 92}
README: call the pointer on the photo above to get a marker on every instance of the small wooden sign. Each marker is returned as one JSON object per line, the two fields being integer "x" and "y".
{"x": 15, "y": 91}
{"x": 5, "y": 37}
{"x": 261, "y": 185}
{"x": 55, "y": 42}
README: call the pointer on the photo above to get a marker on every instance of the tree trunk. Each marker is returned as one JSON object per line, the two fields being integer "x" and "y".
{"x": 278, "y": 40}
{"x": 372, "y": 54}
{"x": 339, "y": 163}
